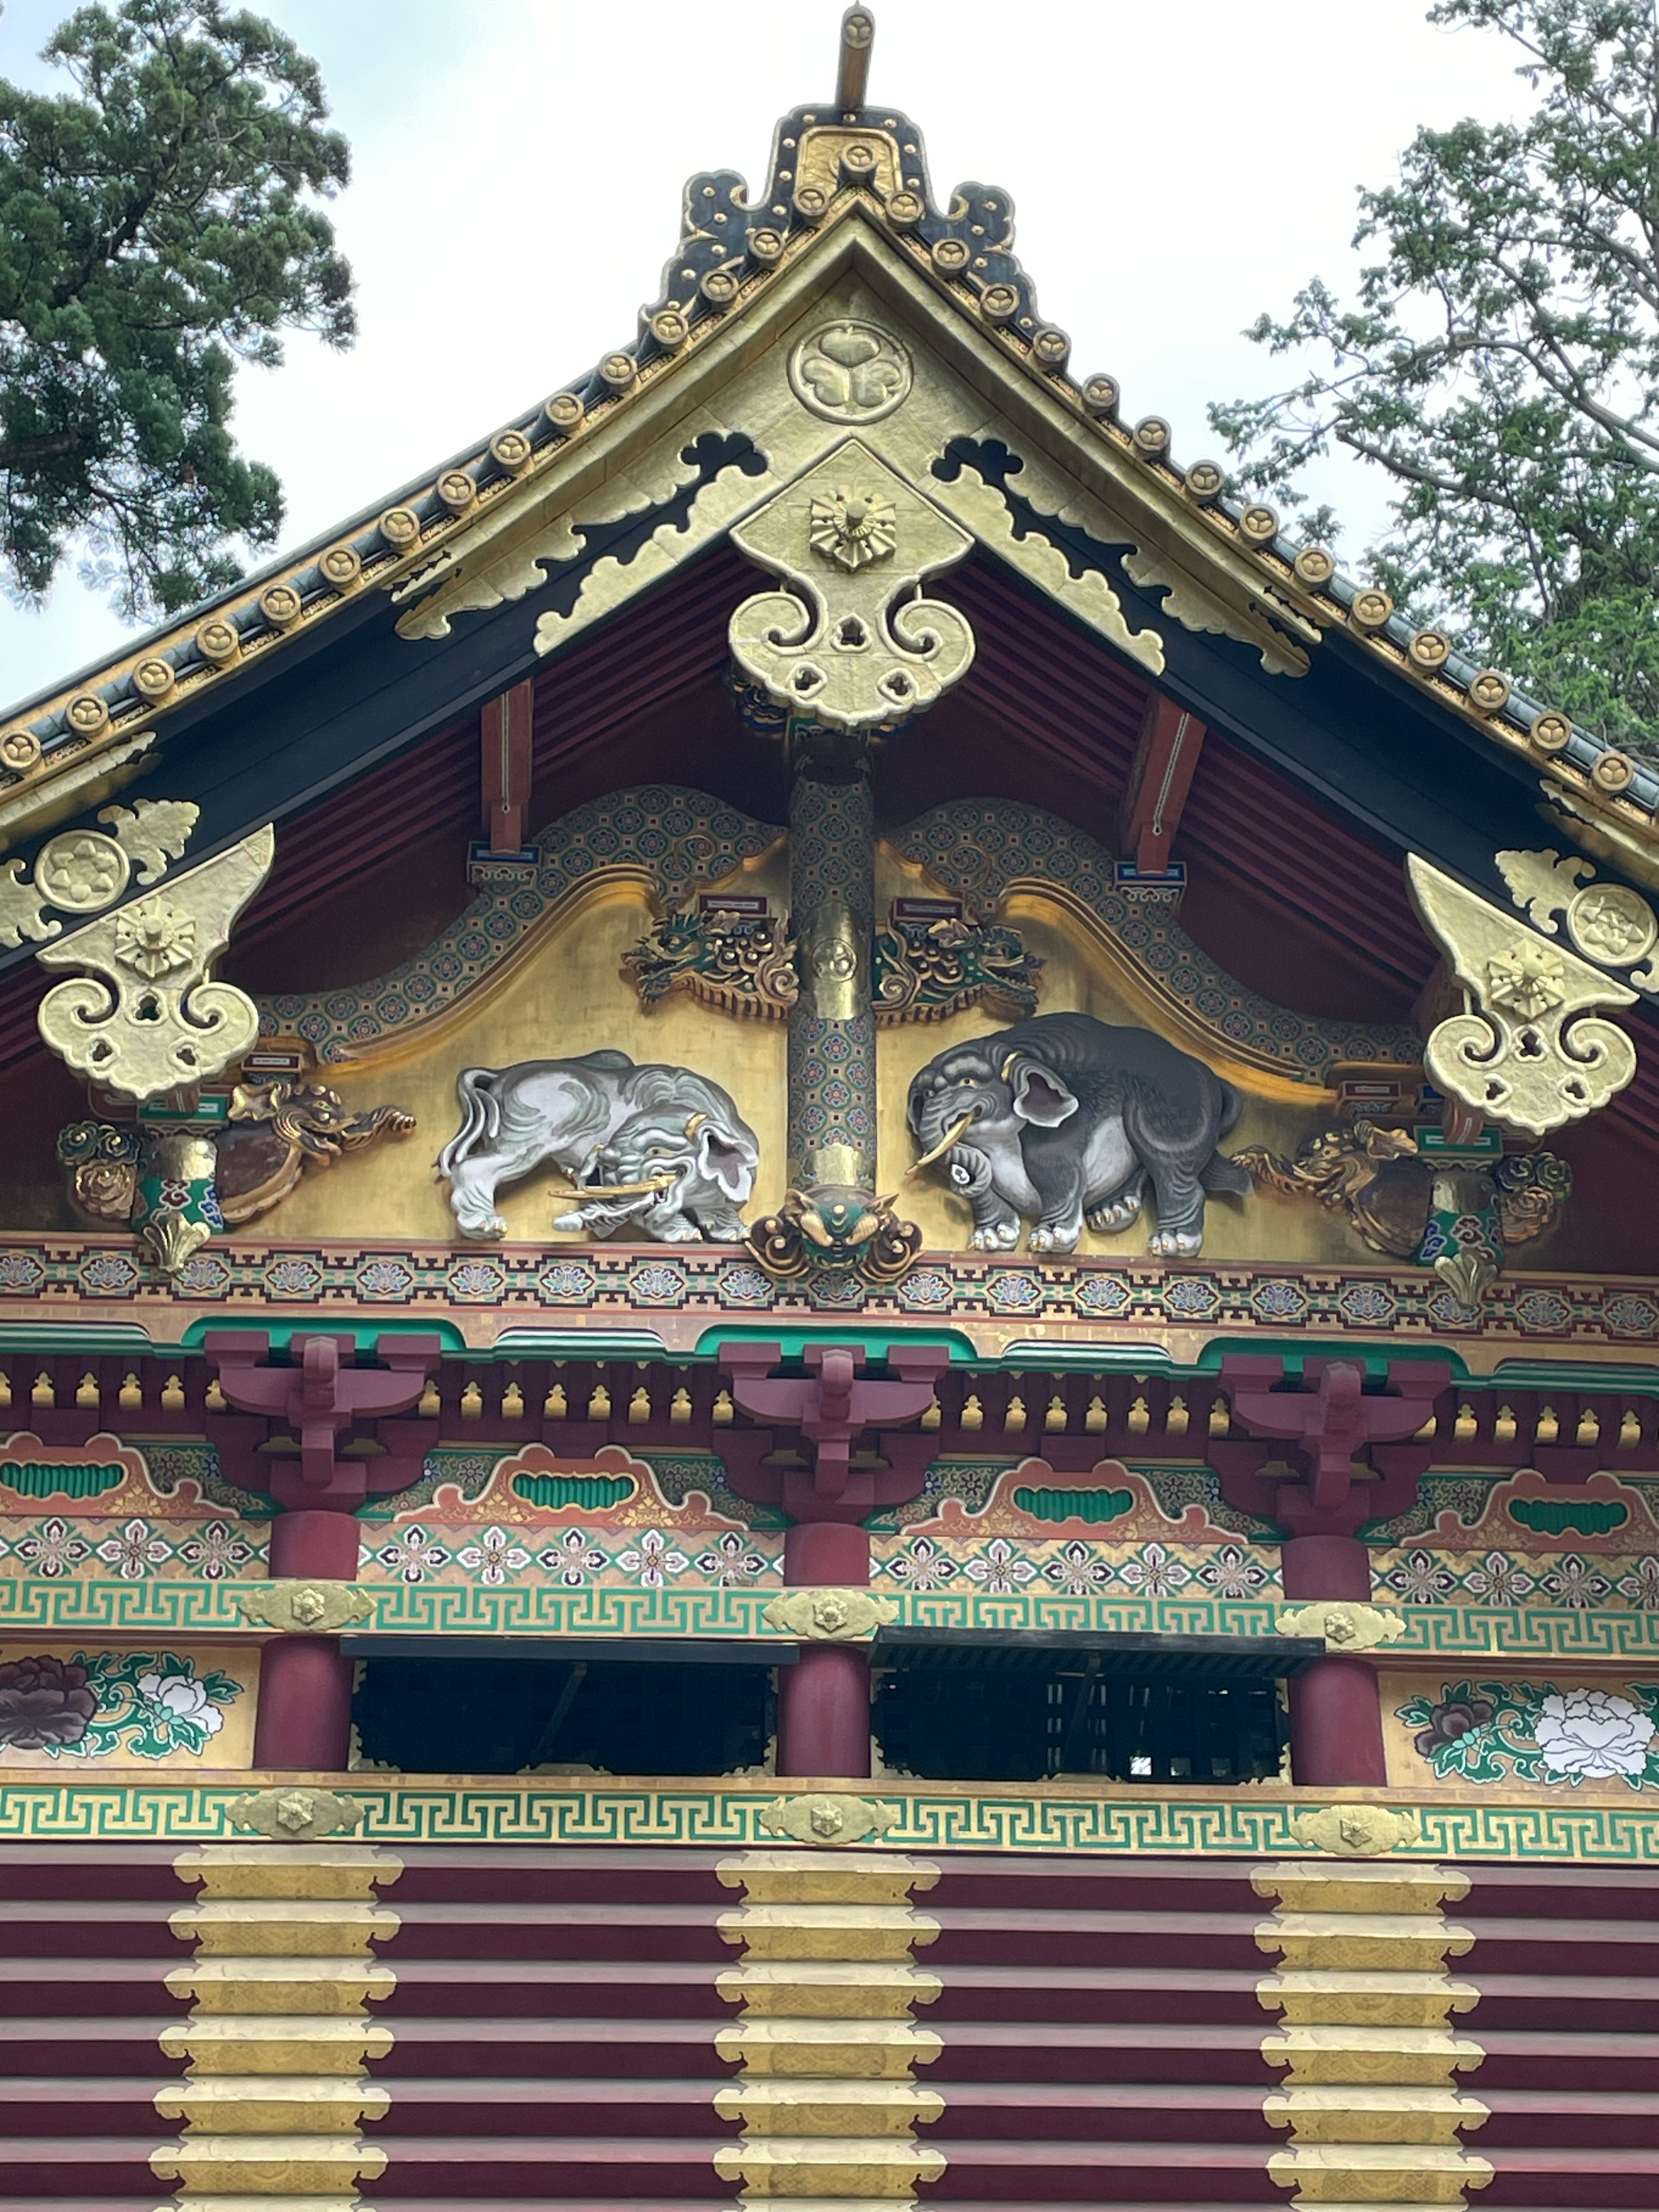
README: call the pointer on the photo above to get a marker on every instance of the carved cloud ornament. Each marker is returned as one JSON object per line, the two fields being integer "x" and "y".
{"x": 157, "y": 1022}
{"x": 1527, "y": 1054}
{"x": 1608, "y": 923}
{"x": 852, "y": 641}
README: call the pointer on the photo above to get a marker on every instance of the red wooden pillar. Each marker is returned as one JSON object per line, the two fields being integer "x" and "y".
{"x": 824, "y": 1699}
{"x": 1336, "y": 1707}
{"x": 304, "y": 1720}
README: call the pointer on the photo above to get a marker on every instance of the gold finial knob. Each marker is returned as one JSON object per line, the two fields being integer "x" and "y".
{"x": 858, "y": 31}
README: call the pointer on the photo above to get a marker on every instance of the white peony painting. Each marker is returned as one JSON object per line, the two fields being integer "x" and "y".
{"x": 1536, "y": 1732}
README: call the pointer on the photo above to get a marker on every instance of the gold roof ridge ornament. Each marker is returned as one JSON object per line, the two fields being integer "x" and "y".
{"x": 851, "y": 641}
{"x": 165, "y": 1025}
{"x": 1526, "y": 1053}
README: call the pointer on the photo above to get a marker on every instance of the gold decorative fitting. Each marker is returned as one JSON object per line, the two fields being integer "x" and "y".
{"x": 166, "y": 1025}
{"x": 719, "y": 287}
{"x": 456, "y": 491}
{"x": 619, "y": 371}
{"x": 219, "y": 642}
{"x": 1204, "y": 480}
{"x": 1100, "y": 395}
{"x": 86, "y": 714}
{"x": 1344, "y": 1626}
{"x": 1612, "y": 771}
{"x": 564, "y": 410}
{"x": 1314, "y": 565}
{"x": 1528, "y": 1059}
{"x": 811, "y": 203}
{"x": 950, "y": 256}
{"x": 829, "y": 1616}
{"x": 1372, "y": 609}
{"x": 1258, "y": 526}
{"x": 1051, "y": 349}
{"x": 154, "y": 679}
{"x": 765, "y": 244}
{"x": 905, "y": 208}
{"x": 280, "y": 605}
{"x": 860, "y": 159}
{"x": 20, "y": 751}
{"x": 1606, "y": 922}
{"x": 295, "y": 1815}
{"x": 82, "y": 871}
{"x": 853, "y": 527}
{"x": 1356, "y": 1832}
{"x": 824, "y": 1820}
{"x": 850, "y": 372}
{"x": 1430, "y": 648}
{"x": 1151, "y": 437}
{"x": 1552, "y": 733}
{"x": 303, "y": 1608}
{"x": 400, "y": 526}
{"x": 670, "y": 328}
{"x": 511, "y": 449}
{"x": 1490, "y": 691}
{"x": 842, "y": 643}
{"x": 999, "y": 303}
{"x": 340, "y": 566}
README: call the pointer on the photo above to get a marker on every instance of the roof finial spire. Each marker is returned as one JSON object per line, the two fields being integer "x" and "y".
{"x": 858, "y": 32}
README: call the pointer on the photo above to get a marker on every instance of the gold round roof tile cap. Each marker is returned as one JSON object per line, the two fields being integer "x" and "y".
{"x": 719, "y": 287}
{"x": 860, "y": 159}
{"x": 905, "y": 208}
{"x": 1490, "y": 690}
{"x": 949, "y": 255}
{"x": 1314, "y": 565}
{"x": 1101, "y": 394}
{"x": 280, "y": 604}
{"x": 765, "y": 244}
{"x": 400, "y": 525}
{"x": 619, "y": 370}
{"x": 511, "y": 448}
{"x": 999, "y": 303}
{"x": 811, "y": 201}
{"x": 1258, "y": 525}
{"x": 1430, "y": 648}
{"x": 341, "y": 565}
{"x": 1151, "y": 437}
{"x": 670, "y": 328}
{"x": 20, "y": 750}
{"x": 1051, "y": 347}
{"x": 456, "y": 489}
{"x": 1552, "y": 732}
{"x": 564, "y": 410}
{"x": 1371, "y": 609}
{"x": 1612, "y": 771}
{"x": 1204, "y": 479}
{"x": 86, "y": 714}
{"x": 154, "y": 679}
{"x": 218, "y": 641}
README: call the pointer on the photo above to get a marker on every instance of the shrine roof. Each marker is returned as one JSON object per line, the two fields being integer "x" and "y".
{"x": 1370, "y": 736}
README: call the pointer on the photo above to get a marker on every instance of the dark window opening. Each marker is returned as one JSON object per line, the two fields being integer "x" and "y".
{"x": 475, "y": 1716}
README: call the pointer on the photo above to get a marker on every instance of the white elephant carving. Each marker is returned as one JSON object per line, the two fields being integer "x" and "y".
{"x": 661, "y": 1148}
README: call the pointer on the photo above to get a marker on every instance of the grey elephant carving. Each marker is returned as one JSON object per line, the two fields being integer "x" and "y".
{"x": 1064, "y": 1118}
{"x": 661, "y": 1148}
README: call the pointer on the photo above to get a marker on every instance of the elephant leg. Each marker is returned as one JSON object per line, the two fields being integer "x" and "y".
{"x": 1056, "y": 1174}
{"x": 473, "y": 1184}
{"x": 996, "y": 1221}
{"x": 1180, "y": 1232}
{"x": 1121, "y": 1208}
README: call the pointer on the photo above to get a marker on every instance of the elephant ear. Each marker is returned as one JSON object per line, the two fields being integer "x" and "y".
{"x": 724, "y": 1161}
{"x": 1039, "y": 1095}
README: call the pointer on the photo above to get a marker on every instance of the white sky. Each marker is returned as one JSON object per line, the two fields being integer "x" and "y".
{"x": 518, "y": 167}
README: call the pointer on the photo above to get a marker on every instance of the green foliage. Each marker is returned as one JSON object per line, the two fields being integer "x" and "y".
{"x": 1501, "y": 365}
{"x": 149, "y": 1704}
{"x": 154, "y": 230}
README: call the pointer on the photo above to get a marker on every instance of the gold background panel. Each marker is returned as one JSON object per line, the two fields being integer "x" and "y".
{"x": 153, "y": 1706}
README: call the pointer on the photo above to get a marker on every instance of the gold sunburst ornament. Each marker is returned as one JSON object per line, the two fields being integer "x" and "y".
{"x": 853, "y": 527}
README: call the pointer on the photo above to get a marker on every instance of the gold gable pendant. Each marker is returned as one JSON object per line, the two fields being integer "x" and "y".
{"x": 842, "y": 645}
{"x": 1523, "y": 1054}
{"x": 159, "y": 1023}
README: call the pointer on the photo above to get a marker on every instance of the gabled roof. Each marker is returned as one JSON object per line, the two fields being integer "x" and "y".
{"x": 264, "y": 661}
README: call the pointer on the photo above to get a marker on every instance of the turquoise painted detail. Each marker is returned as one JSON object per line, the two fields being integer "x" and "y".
{"x": 34, "y": 1478}
{"x": 593, "y": 1492}
{"x": 1093, "y": 1505}
{"x": 1555, "y": 1516}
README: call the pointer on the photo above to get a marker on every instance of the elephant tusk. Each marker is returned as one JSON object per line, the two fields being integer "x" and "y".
{"x": 695, "y": 1124}
{"x": 587, "y": 1190}
{"x": 944, "y": 1144}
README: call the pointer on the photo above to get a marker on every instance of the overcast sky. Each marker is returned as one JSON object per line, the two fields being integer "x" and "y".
{"x": 517, "y": 164}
